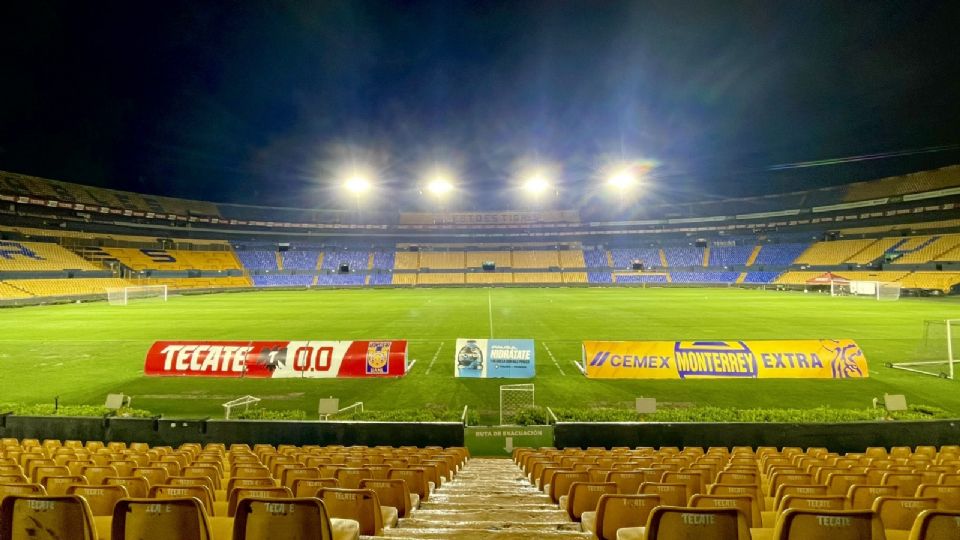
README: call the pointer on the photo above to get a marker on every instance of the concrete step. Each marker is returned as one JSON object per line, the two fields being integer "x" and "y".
{"x": 481, "y": 534}
{"x": 499, "y": 515}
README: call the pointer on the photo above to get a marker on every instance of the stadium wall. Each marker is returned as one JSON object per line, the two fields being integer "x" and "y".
{"x": 173, "y": 432}
{"x": 846, "y": 437}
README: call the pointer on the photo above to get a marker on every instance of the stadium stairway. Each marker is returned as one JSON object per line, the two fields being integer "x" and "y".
{"x": 753, "y": 255}
{"x": 488, "y": 499}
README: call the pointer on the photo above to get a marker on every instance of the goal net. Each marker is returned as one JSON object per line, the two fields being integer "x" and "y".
{"x": 513, "y": 399}
{"x": 122, "y": 296}
{"x": 879, "y": 290}
{"x": 937, "y": 351}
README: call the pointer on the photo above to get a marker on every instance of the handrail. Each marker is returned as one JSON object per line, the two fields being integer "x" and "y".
{"x": 463, "y": 417}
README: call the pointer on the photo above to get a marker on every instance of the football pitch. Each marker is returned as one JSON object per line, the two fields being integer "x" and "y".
{"x": 81, "y": 352}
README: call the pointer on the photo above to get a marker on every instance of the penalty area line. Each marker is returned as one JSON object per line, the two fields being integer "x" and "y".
{"x": 434, "y": 359}
{"x": 554, "y": 359}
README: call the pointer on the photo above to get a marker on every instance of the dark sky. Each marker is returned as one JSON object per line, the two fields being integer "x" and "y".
{"x": 263, "y": 103}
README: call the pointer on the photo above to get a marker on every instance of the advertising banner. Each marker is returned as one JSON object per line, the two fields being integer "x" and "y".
{"x": 494, "y": 359}
{"x": 775, "y": 359}
{"x": 278, "y": 359}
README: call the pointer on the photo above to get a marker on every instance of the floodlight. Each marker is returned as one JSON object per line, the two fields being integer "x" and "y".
{"x": 622, "y": 179}
{"x": 357, "y": 185}
{"x": 439, "y": 186}
{"x": 536, "y": 185}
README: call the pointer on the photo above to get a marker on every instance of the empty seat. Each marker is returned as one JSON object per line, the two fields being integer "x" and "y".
{"x": 583, "y": 497}
{"x": 899, "y": 513}
{"x": 146, "y": 519}
{"x": 861, "y": 496}
{"x": 618, "y": 511}
{"x": 137, "y": 486}
{"x": 681, "y": 523}
{"x": 936, "y": 525}
{"x": 101, "y": 498}
{"x": 360, "y": 505}
{"x": 57, "y": 485}
{"x": 238, "y": 493}
{"x": 21, "y": 489}
{"x": 949, "y": 496}
{"x": 670, "y": 494}
{"x": 65, "y": 516}
{"x": 744, "y": 503}
{"x": 173, "y": 491}
{"x": 308, "y": 487}
{"x": 828, "y": 525}
{"x": 265, "y": 519}
{"x": 393, "y": 493}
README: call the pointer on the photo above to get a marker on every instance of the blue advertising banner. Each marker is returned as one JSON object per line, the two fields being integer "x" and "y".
{"x": 494, "y": 359}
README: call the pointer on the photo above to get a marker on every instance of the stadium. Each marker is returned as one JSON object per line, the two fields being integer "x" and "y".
{"x": 563, "y": 354}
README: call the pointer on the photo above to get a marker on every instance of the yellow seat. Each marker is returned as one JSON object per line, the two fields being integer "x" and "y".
{"x": 813, "y": 502}
{"x": 57, "y": 485}
{"x": 861, "y": 496}
{"x": 350, "y": 477}
{"x": 899, "y": 513}
{"x": 137, "y": 486}
{"x": 670, "y": 494}
{"x": 583, "y": 497}
{"x": 308, "y": 487}
{"x": 265, "y": 519}
{"x": 288, "y": 476}
{"x": 628, "y": 482}
{"x": 744, "y": 503}
{"x": 949, "y": 495}
{"x": 796, "y": 489}
{"x": 360, "y": 505}
{"x": 393, "y": 493}
{"x": 101, "y": 498}
{"x": 681, "y": 523}
{"x": 618, "y": 511}
{"x": 798, "y": 524}
{"x": 907, "y": 483}
{"x": 416, "y": 481}
{"x": 175, "y": 491}
{"x": 936, "y": 525}
{"x": 272, "y": 492}
{"x": 21, "y": 488}
{"x": 65, "y": 516}
{"x": 142, "y": 519}
{"x": 560, "y": 484}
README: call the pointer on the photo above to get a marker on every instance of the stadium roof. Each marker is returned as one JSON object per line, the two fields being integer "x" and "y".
{"x": 270, "y": 105}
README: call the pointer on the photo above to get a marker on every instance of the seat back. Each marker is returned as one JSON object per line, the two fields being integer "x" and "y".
{"x": 260, "y": 492}
{"x": 153, "y": 475}
{"x": 265, "y": 519}
{"x": 57, "y": 485}
{"x": 813, "y": 502}
{"x": 861, "y": 496}
{"x": 350, "y": 477}
{"x": 183, "y": 519}
{"x": 391, "y": 493}
{"x": 96, "y": 473}
{"x": 949, "y": 495}
{"x": 288, "y": 476}
{"x": 744, "y": 503}
{"x": 670, "y": 494}
{"x": 733, "y": 477}
{"x": 907, "y": 483}
{"x": 679, "y": 523}
{"x": 176, "y": 491}
{"x": 562, "y": 481}
{"x": 936, "y": 524}
{"x": 65, "y": 516}
{"x": 101, "y": 498}
{"x": 583, "y": 497}
{"x": 360, "y": 505}
{"x": 839, "y": 483}
{"x": 249, "y": 482}
{"x": 899, "y": 513}
{"x": 798, "y": 524}
{"x": 694, "y": 480}
{"x": 307, "y": 487}
{"x": 416, "y": 480}
{"x": 619, "y": 510}
{"x": 796, "y": 489}
{"x": 628, "y": 482}
{"x": 137, "y": 486}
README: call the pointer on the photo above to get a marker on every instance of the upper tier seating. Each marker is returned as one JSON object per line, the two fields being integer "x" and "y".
{"x": 779, "y": 254}
{"x": 443, "y": 260}
{"x": 683, "y": 256}
{"x": 300, "y": 259}
{"x": 258, "y": 259}
{"x": 536, "y": 259}
{"x": 173, "y": 259}
{"x": 39, "y": 257}
{"x": 922, "y": 249}
{"x": 904, "y": 185}
{"x": 730, "y": 255}
{"x": 624, "y": 257}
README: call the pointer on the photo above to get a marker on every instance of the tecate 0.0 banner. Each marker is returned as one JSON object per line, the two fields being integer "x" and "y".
{"x": 780, "y": 359}
{"x": 278, "y": 359}
{"x": 494, "y": 359}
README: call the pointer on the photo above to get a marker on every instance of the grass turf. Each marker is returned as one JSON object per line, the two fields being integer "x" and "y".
{"x": 81, "y": 352}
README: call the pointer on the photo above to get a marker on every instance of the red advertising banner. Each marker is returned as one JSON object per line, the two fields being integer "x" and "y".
{"x": 277, "y": 359}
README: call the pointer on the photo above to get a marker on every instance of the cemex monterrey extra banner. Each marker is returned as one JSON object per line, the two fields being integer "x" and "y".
{"x": 781, "y": 359}
{"x": 278, "y": 359}
{"x": 494, "y": 358}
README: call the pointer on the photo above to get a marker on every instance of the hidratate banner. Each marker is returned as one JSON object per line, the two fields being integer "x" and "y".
{"x": 494, "y": 358}
{"x": 278, "y": 359}
{"x": 776, "y": 359}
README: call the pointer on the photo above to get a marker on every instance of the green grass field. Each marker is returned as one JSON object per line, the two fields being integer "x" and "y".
{"x": 81, "y": 352}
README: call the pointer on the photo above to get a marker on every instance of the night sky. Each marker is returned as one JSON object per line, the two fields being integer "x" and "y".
{"x": 265, "y": 103}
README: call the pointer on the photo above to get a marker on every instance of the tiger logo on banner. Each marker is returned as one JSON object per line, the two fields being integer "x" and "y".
{"x": 378, "y": 354}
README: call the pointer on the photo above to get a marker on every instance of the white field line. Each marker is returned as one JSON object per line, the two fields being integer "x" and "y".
{"x": 554, "y": 360}
{"x": 434, "y": 359}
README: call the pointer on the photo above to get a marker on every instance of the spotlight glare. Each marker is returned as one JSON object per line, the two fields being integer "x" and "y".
{"x": 357, "y": 185}
{"x": 439, "y": 186}
{"x": 536, "y": 185}
{"x": 622, "y": 179}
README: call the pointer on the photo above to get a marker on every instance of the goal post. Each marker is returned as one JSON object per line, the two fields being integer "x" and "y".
{"x": 121, "y": 296}
{"x": 879, "y": 290}
{"x": 937, "y": 351}
{"x": 513, "y": 399}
